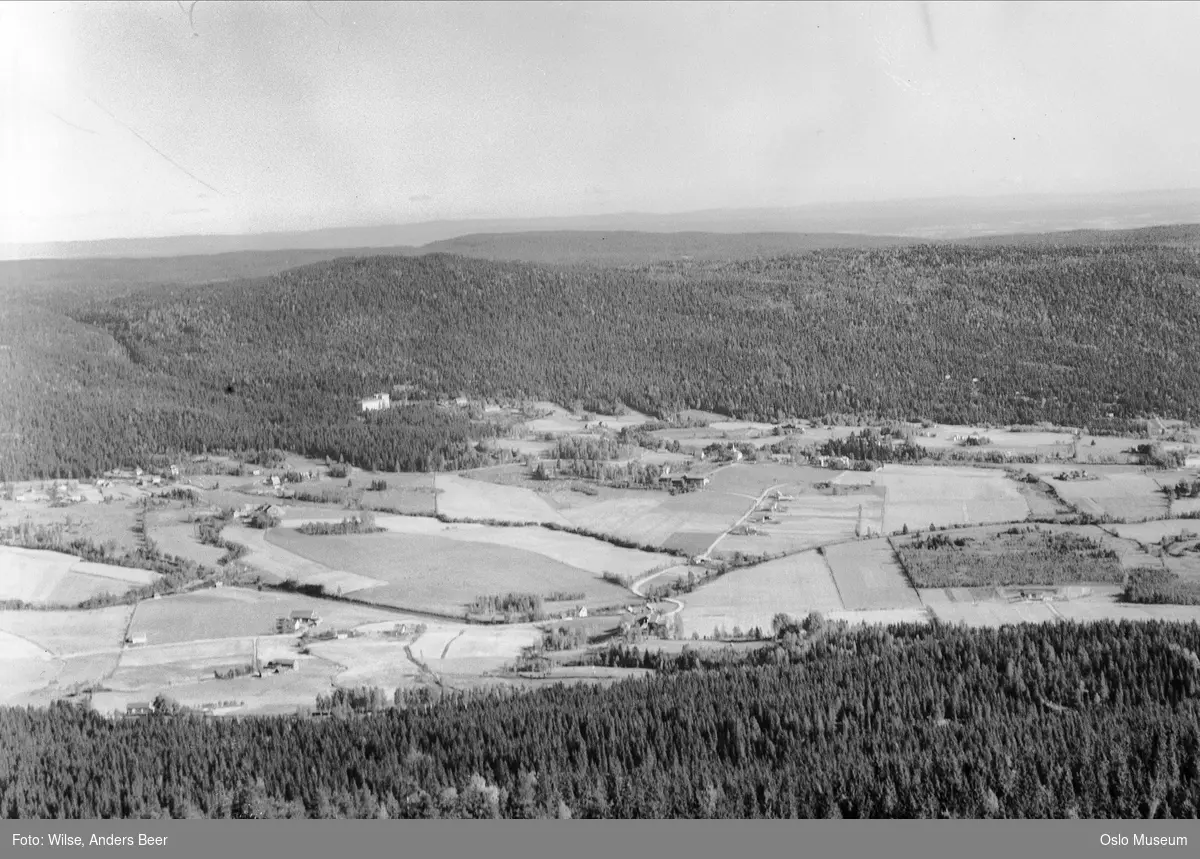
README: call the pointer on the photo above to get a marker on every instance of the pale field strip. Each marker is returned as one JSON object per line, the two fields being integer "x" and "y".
{"x": 463, "y": 498}
{"x": 586, "y": 553}
{"x": 752, "y": 596}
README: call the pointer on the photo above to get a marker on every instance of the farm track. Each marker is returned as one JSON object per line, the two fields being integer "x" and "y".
{"x": 635, "y": 588}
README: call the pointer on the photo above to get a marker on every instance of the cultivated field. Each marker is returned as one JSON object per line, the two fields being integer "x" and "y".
{"x": 1185, "y": 506}
{"x": 1122, "y": 493}
{"x": 64, "y": 633}
{"x": 809, "y": 519}
{"x": 438, "y": 574}
{"x": 37, "y": 576}
{"x": 869, "y": 578}
{"x": 463, "y": 498}
{"x": 281, "y": 564}
{"x": 658, "y": 518}
{"x": 752, "y": 596}
{"x": 595, "y": 556}
{"x": 240, "y": 612}
{"x": 1146, "y": 533}
{"x": 1102, "y": 604}
{"x": 921, "y": 496}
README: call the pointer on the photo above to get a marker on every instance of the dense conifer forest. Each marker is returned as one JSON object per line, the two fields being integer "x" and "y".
{"x": 1098, "y": 720}
{"x": 973, "y": 334}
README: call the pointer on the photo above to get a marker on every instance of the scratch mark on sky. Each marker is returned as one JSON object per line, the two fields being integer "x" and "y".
{"x": 927, "y": 19}
{"x": 68, "y": 122}
{"x": 162, "y": 154}
{"x": 190, "y": 9}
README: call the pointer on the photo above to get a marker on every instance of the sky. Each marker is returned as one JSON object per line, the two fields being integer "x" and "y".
{"x": 140, "y": 119}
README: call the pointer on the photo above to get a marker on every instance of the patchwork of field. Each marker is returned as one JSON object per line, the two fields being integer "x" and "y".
{"x": 595, "y": 556}
{"x": 240, "y": 612}
{"x": 463, "y": 498}
{"x": 1128, "y": 494}
{"x": 438, "y": 574}
{"x": 868, "y": 576}
{"x": 752, "y": 596}
{"x": 921, "y": 496}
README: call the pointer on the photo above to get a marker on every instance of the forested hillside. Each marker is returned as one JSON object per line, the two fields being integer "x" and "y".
{"x": 947, "y": 332}
{"x": 1099, "y": 720}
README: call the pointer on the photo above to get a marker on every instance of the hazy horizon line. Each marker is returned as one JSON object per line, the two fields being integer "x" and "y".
{"x": 622, "y": 213}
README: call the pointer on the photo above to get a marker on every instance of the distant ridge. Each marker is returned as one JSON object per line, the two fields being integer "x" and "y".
{"x": 902, "y": 219}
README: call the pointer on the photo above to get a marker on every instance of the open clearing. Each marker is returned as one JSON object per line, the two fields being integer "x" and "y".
{"x": 752, "y": 596}
{"x": 439, "y": 574}
{"x": 463, "y": 498}
{"x": 595, "y": 556}
{"x": 232, "y": 612}
{"x": 1121, "y": 493}
{"x": 869, "y": 578}
{"x": 920, "y": 496}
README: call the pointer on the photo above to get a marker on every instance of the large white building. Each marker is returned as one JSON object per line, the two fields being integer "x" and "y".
{"x": 376, "y": 402}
